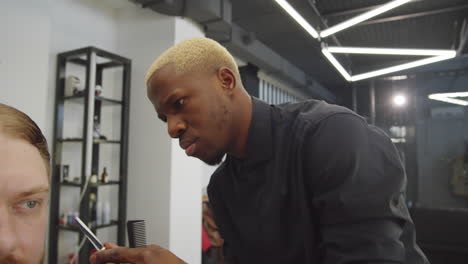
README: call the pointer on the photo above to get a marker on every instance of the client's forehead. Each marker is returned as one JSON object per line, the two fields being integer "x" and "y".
{"x": 22, "y": 168}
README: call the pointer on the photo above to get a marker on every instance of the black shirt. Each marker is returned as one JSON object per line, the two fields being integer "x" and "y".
{"x": 318, "y": 185}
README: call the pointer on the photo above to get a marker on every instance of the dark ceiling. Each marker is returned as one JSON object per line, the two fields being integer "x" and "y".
{"x": 425, "y": 24}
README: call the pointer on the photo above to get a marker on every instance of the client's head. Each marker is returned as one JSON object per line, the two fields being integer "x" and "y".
{"x": 24, "y": 187}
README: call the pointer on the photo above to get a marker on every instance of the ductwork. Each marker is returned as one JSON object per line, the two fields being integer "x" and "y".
{"x": 167, "y": 7}
{"x": 215, "y": 16}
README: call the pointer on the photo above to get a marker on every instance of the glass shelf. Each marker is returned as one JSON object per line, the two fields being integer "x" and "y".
{"x": 95, "y": 141}
{"x": 76, "y": 229}
{"x": 106, "y": 101}
{"x": 74, "y": 184}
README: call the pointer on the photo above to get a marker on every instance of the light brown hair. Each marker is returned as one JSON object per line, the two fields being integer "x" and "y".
{"x": 18, "y": 125}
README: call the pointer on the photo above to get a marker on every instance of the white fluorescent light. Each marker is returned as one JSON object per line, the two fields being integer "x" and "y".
{"x": 299, "y": 19}
{"x": 450, "y": 98}
{"x": 451, "y": 101}
{"x": 398, "y": 140}
{"x": 327, "y": 51}
{"x": 387, "y": 51}
{"x": 458, "y": 94}
{"x": 400, "y": 67}
{"x": 396, "y": 78}
{"x": 336, "y": 64}
{"x": 363, "y": 17}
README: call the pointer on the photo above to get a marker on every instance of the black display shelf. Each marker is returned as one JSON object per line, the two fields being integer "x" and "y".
{"x": 97, "y": 60}
{"x": 107, "y": 101}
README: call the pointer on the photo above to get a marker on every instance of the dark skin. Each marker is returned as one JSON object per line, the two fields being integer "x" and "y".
{"x": 210, "y": 109}
{"x": 210, "y": 113}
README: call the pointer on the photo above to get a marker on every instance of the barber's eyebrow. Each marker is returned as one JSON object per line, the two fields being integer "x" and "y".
{"x": 35, "y": 190}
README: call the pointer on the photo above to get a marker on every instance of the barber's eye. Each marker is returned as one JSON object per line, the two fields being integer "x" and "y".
{"x": 29, "y": 204}
{"x": 179, "y": 102}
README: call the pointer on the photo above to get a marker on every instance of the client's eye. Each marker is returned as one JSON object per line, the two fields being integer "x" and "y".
{"x": 29, "y": 205}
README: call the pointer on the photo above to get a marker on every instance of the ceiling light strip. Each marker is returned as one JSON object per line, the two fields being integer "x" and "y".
{"x": 391, "y": 51}
{"x": 336, "y": 64}
{"x": 400, "y": 67}
{"x": 363, "y": 17}
{"x": 457, "y": 94}
{"x": 449, "y": 100}
{"x": 299, "y": 19}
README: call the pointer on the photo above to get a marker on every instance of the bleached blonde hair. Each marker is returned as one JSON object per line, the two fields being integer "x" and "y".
{"x": 195, "y": 54}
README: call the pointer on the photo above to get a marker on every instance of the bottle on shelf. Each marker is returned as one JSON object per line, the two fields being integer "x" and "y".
{"x": 104, "y": 176}
{"x": 63, "y": 219}
{"x": 70, "y": 220}
{"x": 98, "y": 90}
{"x": 73, "y": 86}
{"x": 65, "y": 173}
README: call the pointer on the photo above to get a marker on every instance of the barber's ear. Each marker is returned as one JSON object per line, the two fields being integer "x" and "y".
{"x": 227, "y": 79}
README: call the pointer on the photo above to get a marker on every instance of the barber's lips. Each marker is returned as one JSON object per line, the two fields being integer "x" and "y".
{"x": 190, "y": 150}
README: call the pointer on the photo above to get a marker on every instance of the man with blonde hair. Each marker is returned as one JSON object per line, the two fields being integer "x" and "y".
{"x": 301, "y": 183}
{"x": 24, "y": 188}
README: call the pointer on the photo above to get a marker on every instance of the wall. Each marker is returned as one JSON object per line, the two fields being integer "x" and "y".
{"x": 24, "y": 59}
{"x": 143, "y": 35}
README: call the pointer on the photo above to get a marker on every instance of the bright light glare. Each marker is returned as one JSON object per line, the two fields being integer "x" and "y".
{"x": 450, "y": 98}
{"x": 399, "y": 100}
{"x": 299, "y": 19}
{"x": 326, "y": 51}
{"x": 363, "y": 17}
{"x": 336, "y": 64}
{"x": 400, "y": 67}
{"x": 391, "y": 51}
{"x": 457, "y": 94}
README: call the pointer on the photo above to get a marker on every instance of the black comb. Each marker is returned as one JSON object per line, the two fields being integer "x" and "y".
{"x": 136, "y": 233}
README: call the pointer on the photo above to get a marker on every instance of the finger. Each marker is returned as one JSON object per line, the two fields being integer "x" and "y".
{"x": 117, "y": 255}
{"x": 110, "y": 245}
{"x": 208, "y": 211}
{"x": 211, "y": 223}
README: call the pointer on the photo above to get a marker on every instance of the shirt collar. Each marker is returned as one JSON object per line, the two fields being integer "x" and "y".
{"x": 259, "y": 140}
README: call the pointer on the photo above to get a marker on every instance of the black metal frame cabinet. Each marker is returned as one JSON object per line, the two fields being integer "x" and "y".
{"x": 95, "y": 61}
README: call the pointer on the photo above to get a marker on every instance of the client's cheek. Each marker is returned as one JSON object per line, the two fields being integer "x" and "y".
{"x": 33, "y": 238}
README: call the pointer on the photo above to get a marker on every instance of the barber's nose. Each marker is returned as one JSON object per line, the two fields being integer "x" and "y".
{"x": 175, "y": 127}
{"x": 8, "y": 236}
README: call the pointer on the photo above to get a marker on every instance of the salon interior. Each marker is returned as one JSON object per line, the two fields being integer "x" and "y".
{"x": 77, "y": 68}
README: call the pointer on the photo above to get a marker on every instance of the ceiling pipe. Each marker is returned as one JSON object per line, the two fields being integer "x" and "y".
{"x": 324, "y": 22}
